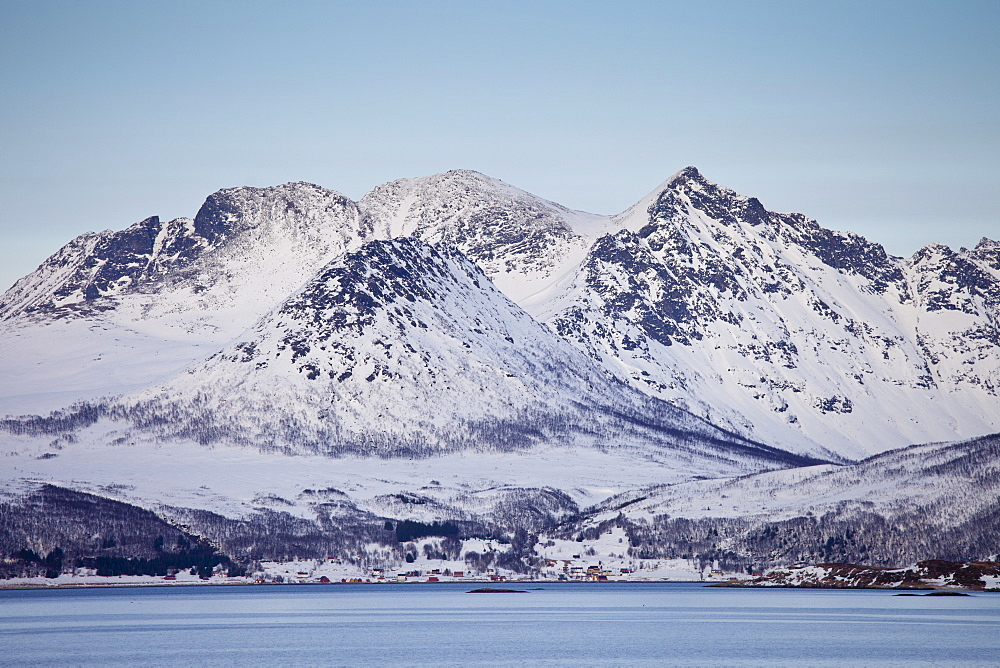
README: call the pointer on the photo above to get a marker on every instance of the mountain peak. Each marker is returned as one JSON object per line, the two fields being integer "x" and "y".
{"x": 932, "y": 250}
{"x": 467, "y": 173}
{"x": 688, "y": 173}
{"x": 688, "y": 178}
{"x": 226, "y": 210}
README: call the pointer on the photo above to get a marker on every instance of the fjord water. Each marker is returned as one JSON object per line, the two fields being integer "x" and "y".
{"x": 601, "y": 624}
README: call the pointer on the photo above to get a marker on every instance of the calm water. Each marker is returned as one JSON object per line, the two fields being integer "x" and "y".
{"x": 605, "y": 624}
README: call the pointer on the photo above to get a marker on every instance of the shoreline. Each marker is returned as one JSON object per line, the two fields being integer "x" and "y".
{"x": 726, "y": 585}
{"x": 33, "y": 586}
{"x": 6, "y": 586}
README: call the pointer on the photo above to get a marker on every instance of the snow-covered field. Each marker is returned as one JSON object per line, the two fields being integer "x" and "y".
{"x": 232, "y": 481}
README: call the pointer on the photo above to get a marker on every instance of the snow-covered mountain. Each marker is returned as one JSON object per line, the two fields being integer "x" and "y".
{"x": 111, "y": 312}
{"x": 245, "y": 251}
{"x": 398, "y": 383}
{"x": 451, "y": 348}
{"x": 773, "y": 326}
{"x": 763, "y": 323}
{"x": 402, "y": 349}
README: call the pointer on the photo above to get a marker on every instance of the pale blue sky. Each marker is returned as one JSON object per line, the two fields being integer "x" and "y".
{"x": 878, "y": 117}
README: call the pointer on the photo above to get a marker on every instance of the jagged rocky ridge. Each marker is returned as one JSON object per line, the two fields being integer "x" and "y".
{"x": 199, "y": 264}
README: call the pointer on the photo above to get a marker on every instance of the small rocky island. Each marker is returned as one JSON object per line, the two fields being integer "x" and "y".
{"x": 932, "y": 574}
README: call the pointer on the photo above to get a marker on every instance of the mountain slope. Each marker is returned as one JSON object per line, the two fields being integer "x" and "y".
{"x": 957, "y": 299}
{"x": 935, "y": 500}
{"x": 238, "y": 239}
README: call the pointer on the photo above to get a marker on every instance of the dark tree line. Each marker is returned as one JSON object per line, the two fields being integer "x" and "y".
{"x": 74, "y": 529}
{"x": 407, "y": 530}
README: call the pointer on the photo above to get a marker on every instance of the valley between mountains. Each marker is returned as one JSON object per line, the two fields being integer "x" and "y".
{"x": 453, "y": 374}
